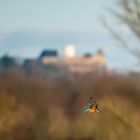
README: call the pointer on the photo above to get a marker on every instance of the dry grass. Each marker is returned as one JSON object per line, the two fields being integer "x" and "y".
{"x": 35, "y": 109}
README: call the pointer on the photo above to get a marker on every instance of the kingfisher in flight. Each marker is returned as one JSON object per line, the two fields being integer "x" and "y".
{"x": 93, "y": 107}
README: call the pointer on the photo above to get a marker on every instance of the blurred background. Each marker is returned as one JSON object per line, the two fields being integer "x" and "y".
{"x": 55, "y": 54}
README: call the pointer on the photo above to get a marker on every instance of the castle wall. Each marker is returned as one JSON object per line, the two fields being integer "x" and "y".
{"x": 78, "y": 64}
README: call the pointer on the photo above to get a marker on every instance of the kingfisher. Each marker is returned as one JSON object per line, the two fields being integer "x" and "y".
{"x": 93, "y": 107}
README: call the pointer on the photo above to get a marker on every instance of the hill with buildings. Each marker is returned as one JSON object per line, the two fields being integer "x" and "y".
{"x": 50, "y": 63}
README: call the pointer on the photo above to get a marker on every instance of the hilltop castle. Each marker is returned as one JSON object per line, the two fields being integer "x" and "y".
{"x": 84, "y": 64}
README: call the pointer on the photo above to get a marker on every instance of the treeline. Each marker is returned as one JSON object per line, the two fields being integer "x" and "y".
{"x": 32, "y": 108}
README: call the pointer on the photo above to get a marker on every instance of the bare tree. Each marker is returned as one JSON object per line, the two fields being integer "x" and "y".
{"x": 127, "y": 14}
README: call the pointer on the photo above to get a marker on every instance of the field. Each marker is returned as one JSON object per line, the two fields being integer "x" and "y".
{"x": 32, "y": 108}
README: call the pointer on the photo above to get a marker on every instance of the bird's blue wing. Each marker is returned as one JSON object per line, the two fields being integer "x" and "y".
{"x": 86, "y": 110}
{"x": 91, "y": 102}
{"x": 90, "y": 105}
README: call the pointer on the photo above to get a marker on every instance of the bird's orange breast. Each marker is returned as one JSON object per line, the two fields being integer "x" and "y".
{"x": 92, "y": 110}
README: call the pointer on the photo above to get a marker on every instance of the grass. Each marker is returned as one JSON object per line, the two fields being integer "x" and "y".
{"x": 32, "y": 108}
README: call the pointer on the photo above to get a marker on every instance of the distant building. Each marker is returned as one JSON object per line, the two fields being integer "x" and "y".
{"x": 85, "y": 64}
{"x": 88, "y": 55}
{"x": 49, "y": 53}
{"x": 49, "y": 56}
{"x": 7, "y": 62}
{"x": 69, "y": 51}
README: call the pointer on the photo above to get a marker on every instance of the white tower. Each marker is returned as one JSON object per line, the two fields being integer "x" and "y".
{"x": 69, "y": 51}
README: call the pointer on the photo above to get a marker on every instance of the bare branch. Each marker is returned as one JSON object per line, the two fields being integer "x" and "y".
{"x": 129, "y": 15}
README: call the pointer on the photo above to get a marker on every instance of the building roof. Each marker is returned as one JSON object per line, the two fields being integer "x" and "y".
{"x": 47, "y": 53}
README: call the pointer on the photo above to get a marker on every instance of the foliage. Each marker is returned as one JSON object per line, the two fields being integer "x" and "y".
{"x": 32, "y": 108}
